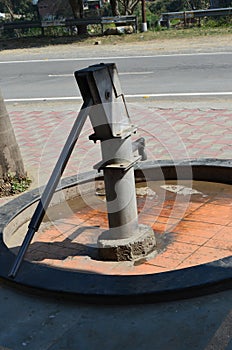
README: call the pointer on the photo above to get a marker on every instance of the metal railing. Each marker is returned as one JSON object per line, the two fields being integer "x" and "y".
{"x": 120, "y": 20}
{"x": 186, "y": 15}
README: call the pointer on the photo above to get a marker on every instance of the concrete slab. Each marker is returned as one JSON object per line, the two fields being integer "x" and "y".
{"x": 33, "y": 322}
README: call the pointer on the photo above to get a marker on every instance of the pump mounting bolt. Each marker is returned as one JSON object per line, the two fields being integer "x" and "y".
{"x": 107, "y": 95}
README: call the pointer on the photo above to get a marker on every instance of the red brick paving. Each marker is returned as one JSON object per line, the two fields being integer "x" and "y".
{"x": 170, "y": 134}
{"x": 196, "y": 236}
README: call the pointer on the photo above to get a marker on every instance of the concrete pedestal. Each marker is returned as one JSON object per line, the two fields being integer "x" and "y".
{"x": 132, "y": 248}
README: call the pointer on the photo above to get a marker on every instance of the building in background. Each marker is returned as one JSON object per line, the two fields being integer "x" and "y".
{"x": 50, "y": 9}
{"x": 60, "y": 9}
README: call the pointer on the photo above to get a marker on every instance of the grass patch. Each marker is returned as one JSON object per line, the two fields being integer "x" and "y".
{"x": 163, "y": 34}
{"x": 13, "y": 184}
{"x": 151, "y": 35}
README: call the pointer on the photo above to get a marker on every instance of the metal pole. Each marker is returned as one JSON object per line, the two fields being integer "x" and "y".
{"x": 51, "y": 186}
{"x": 144, "y": 20}
{"x": 120, "y": 188}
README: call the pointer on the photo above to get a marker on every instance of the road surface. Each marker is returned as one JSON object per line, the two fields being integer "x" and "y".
{"x": 192, "y": 74}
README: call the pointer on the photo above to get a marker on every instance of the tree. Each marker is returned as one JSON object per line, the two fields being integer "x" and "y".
{"x": 128, "y": 6}
{"x": 160, "y": 6}
{"x": 114, "y": 7}
{"x": 18, "y": 7}
{"x": 77, "y": 8}
{"x": 9, "y": 7}
{"x": 10, "y": 157}
{"x": 199, "y": 4}
{"x": 78, "y": 12}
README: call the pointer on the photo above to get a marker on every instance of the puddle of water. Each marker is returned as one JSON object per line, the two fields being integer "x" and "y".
{"x": 68, "y": 236}
{"x": 87, "y": 216}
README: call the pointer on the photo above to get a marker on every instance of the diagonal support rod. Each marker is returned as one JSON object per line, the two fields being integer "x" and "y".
{"x": 51, "y": 185}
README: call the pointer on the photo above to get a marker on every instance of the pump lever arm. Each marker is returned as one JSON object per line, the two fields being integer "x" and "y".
{"x": 51, "y": 185}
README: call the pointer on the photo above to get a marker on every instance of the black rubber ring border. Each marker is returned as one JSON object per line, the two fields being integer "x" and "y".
{"x": 172, "y": 285}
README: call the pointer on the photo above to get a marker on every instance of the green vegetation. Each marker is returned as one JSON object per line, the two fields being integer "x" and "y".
{"x": 13, "y": 184}
{"x": 154, "y": 9}
{"x": 151, "y": 35}
{"x": 163, "y": 34}
{"x": 19, "y": 8}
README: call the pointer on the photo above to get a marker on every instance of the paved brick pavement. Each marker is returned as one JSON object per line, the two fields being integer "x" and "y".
{"x": 170, "y": 134}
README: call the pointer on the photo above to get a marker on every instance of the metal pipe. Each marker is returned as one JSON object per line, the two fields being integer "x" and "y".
{"x": 120, "y": 188}
{"x": 51, "y": 186}
{"x": 139, "y": 145}
{"x": 144, "y": 20}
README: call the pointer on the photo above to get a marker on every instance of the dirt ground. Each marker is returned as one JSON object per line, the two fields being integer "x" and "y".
{"x": 140, "y": 44}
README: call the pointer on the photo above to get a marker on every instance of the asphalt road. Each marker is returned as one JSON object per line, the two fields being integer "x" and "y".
{"x": 184, "y": 74}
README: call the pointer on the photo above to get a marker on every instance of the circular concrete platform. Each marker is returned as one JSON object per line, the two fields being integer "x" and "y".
{"x": 192, "y": 228}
